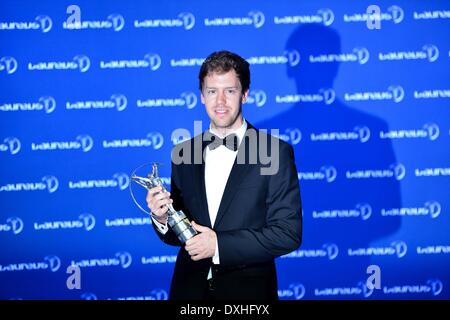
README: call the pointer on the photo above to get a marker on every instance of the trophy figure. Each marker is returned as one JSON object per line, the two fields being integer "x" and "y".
{"x": 177, "y": 220}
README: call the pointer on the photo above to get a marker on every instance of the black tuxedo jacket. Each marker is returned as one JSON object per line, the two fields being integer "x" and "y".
{"x": 259, "y": 219}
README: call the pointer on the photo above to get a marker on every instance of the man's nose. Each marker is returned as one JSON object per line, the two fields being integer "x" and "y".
{"x": 221, "y": 99}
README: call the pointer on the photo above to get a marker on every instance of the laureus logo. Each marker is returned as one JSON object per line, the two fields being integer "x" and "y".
{"x": 124, "y": 258}
{"x": 188, "y": 20}
{"x": 159, "y": 294}
{"x": 434, "y": 208}
{"x": 88, "y": 221}
{"x": 117, "y": 21}
{"x": 49, "y": 103}
{"x": 258, "y": 18}
{"x": 432, "y": 130}
{"x": 331, "y": 249}
{"x": 293, "y": 57}
{"x": 365, "y": 210}
{"x": 83, "y": 62}
{"x": 292, "y": 135}
{"x": 362, "y": 54}
{"x": 86, "y": 142}
{"x": 397, "y": 13}
{"x": 432, "y": 52}
{"x": 190, "y": 99}
{"x": 88, "y": 296}
{"x": 399, "y": 171}
{"x": 257, "y": 97}
{"x": 122, "y": 180}
{"x": 45, "y": 23}
{"x": 51, "y": 183}
{"x": 156, "y": 139}
{"x": 154, "y": 60}
{"x": 120, "y": 101}
{"x": 329, "y": 172}
{"x": 16, "y": 224}
{"x": 53, "y": 262}
{"x": 397, "y": 93}
{"x": 436, "y": 286}
{"x": 298, "y": 290}
{"x": 327, "y": 16}
{"x": 366, "y": 291}
{"x": 12, "y": 144}
{"x": 400, "y": 248}
{"x": 9, "y": 64}
{"x": 363, "y": 133}
{"x": 329, "y": 95}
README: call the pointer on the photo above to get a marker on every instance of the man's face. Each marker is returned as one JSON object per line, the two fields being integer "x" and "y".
{"x": 223, "y": 97}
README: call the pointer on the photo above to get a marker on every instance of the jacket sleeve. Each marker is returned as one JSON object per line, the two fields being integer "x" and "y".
{"x": 283, "y": 230}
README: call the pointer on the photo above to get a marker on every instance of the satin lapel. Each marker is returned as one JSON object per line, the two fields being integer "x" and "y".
{"x": 200, "y": 190}
{"x": 237, "y": 175}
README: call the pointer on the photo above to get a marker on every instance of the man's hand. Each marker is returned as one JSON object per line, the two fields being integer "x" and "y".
{"x": 203, "y": 245}
{"x": 157, "y": 202}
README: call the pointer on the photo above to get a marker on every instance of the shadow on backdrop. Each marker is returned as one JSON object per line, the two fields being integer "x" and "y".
{"x": 366, "y": 196}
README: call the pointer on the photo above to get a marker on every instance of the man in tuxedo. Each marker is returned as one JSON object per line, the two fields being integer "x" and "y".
{"x": 246, "y": 213}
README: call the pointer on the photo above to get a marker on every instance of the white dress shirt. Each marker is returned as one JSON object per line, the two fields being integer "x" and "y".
{"x": 218, "y": 165}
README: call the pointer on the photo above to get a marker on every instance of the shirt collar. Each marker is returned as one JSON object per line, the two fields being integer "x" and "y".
{"x": 240, "y": 132}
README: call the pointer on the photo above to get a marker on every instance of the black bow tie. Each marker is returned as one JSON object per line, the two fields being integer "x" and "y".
{"x": 230, "y": 141}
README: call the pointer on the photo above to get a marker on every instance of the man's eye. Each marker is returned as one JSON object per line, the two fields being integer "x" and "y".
{"x": 231, "y": 91}
{"x": 211, "y": 91}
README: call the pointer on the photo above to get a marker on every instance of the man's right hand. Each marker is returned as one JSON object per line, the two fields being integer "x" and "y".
{"x": 157, "y": 201}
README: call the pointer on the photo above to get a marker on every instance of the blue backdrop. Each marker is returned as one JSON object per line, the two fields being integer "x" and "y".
{"x": 365, "y": 105}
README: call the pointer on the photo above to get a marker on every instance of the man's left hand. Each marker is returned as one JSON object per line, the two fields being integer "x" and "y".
{"x": 203, "y": 245}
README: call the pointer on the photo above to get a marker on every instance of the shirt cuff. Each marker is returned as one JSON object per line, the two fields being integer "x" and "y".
{"x": 162, "y": 228}
{"x": 216, "y": 259}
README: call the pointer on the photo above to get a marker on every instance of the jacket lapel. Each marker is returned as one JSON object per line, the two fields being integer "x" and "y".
{"x": 237, "y": 175}
{"x": 199, "y": 185}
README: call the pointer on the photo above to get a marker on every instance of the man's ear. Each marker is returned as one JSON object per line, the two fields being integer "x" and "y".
{"x": 245, "y": 96}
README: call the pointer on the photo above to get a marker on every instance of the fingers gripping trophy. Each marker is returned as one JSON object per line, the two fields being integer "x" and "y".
{"x": 176, "y": 220}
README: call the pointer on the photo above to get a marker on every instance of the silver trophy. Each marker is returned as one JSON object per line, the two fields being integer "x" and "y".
{"x": 177, "y": 220}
